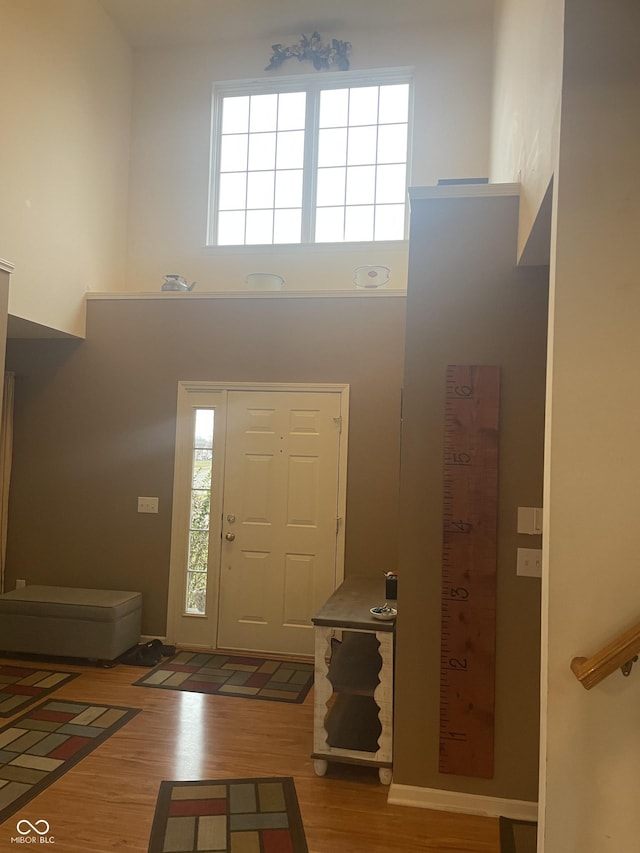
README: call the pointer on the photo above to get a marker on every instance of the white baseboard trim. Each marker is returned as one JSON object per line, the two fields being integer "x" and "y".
{"x": 454, "y": 801}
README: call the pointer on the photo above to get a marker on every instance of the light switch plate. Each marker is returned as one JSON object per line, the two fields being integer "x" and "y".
{"x": 148, "y": 505}
{"x": 529, "y": 562}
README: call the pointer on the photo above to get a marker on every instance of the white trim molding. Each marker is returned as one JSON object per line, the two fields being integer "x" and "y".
{"x": 237, "y": 294}
{"x": 293, "y": 82}
{"x": 6, "y": 266}
{"x": 455, "y": 801}
{"x": 463, "y": 191}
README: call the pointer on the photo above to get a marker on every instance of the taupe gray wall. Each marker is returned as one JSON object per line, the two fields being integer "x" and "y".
{"x": 5, "y": 279}
{"x": 95, "y": 427}
{"x": 95, "y": 424}
{"x": 468, "y": 304}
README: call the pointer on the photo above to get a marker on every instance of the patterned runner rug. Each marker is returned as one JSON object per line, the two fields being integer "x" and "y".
{"x": 233, "y": 675}
{"x": 21, "y": 686}
{"x": 37, "y": 748}
{"x": 244, "y": 815}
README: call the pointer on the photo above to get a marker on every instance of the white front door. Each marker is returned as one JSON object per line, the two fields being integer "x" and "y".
{"x": 279, "y": 518}
{"x": 252, "y": 575}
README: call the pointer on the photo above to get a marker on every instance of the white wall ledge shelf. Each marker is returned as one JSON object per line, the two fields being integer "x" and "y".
{"x": 396, "y": 293}
{"x": 463, "y": 191}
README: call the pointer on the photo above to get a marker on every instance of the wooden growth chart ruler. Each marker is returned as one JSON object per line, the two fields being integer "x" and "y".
{"x": 467, "y": 651}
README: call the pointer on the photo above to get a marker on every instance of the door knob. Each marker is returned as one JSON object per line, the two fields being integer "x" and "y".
{"x": 229, "y": 536}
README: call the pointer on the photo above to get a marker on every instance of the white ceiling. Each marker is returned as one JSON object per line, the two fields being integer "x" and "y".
{"x": 146, "y": 23}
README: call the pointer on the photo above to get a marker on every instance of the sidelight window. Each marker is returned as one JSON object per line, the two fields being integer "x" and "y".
{"x": 200, "y": 512}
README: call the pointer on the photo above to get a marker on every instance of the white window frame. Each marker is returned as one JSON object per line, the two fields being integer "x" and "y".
{"x": 312, "y": 84}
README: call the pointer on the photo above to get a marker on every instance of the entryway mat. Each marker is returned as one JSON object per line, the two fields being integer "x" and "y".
{"x": 22, "y": 686}
{"x": 246, "y": 815}
{"x": 518, "y": 836}
{"x": 233, "y": 675}
{"x": 41, "y": 745}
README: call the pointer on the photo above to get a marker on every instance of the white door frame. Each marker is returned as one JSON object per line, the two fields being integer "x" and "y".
{"x": 188, "y": 393}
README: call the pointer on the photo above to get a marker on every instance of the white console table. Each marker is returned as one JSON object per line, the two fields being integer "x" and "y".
{"x": 353, "y": 688}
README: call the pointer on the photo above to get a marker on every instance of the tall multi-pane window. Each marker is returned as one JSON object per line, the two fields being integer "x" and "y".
{"x": 200, "y": 512}
{"x": 261, "y": 168}
{"x": 362, "y": 163}
{"x": 311, "y": 159}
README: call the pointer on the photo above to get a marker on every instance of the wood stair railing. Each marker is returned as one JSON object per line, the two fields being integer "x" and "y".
{"x": 620, "y": 653}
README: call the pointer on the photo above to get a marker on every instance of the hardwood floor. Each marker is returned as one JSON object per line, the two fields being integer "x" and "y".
{"x": 107, "y": 801}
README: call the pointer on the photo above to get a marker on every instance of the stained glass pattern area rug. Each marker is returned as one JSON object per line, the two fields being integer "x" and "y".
{"x": 228, "y": 816}
{"x": 233, "y": 675}
{"x": 41, "y": 745}
{"x": 21, "y": 686}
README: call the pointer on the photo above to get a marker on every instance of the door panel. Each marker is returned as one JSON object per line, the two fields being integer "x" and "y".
{"x": 281, "y": 486}
{"x": 247, "y": 598}
{"x": 258, "y": 469}
{"x": 303, "y": 478}
{"x": 300, "y": 570}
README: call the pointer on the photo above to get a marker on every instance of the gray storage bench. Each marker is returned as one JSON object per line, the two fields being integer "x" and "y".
{"x": 98, "y": 624}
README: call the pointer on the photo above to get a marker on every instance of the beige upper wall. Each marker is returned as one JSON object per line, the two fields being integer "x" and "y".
{"x": 591, "y": 739}
{"x": 526, "y": 101}
{"x": 152, "y": 23}
{"x": 64, "y": 213}
{"x": 65, "y": 99}
{"x": 171, "y": 145}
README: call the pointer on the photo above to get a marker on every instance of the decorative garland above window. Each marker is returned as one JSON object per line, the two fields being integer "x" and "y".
{"x": 323, "y": 56}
